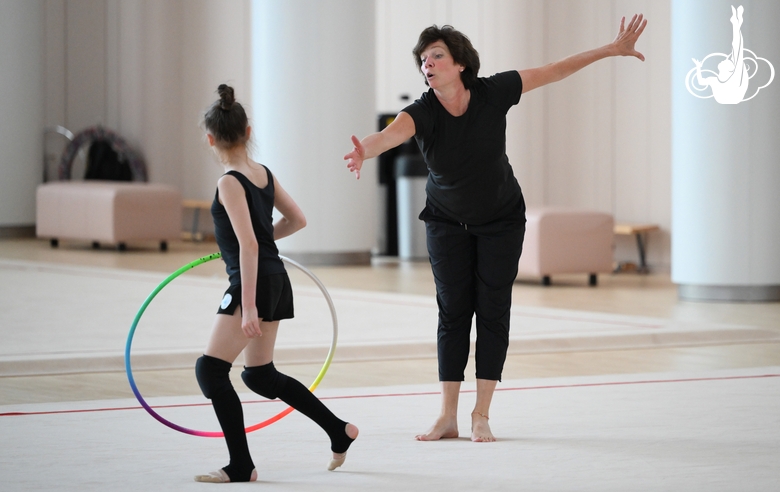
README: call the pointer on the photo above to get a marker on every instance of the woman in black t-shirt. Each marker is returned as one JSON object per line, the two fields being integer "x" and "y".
{"x": 475, "y": 213}
{"x": 259, "y": 295}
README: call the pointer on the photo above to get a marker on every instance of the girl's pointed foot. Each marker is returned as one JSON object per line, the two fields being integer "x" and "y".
{"x": 220, "y": 476}
{"x": 338, "y": 459}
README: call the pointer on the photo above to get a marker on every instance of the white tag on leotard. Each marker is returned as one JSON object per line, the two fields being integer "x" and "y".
{"x": 226, "y": 301}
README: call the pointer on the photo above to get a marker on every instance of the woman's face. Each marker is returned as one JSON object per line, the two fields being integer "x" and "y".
{"x": 438, "y": 66}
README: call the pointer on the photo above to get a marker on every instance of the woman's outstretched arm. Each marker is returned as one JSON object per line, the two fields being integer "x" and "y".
{"x": 396, "y": 133}
{"x": 623, "y": 45}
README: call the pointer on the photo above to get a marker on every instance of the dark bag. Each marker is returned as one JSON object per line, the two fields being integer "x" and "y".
{"x": 104, "y": 163}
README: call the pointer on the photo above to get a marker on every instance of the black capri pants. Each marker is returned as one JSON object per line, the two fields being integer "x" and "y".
{"x": 474, "y": 268}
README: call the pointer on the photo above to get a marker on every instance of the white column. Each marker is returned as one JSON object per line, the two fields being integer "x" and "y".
{"x": 725, "y": 171}
{"x": 313, "y": 87}
{"x": 21, "y": 110}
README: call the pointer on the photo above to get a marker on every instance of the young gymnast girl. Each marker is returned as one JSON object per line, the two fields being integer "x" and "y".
{"x": 259, "y": 295}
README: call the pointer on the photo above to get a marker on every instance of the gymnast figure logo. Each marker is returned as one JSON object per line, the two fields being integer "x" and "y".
{"x": 730, "y": 84}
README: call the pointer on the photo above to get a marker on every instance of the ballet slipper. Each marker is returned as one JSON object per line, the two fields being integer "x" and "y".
{"x": 341, "y": 457}
{"x": 218, "y": 476}
{"x": 337, "y": 462}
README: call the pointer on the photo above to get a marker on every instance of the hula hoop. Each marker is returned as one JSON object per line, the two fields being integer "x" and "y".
{"x": 257, "y": 426}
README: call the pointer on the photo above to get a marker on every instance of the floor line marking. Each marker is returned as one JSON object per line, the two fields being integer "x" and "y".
{"x": 389, "y": 395}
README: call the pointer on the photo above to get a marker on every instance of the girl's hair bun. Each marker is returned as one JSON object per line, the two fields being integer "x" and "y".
{"x": 226, "y": 97}
{"x": 226, "y": 119}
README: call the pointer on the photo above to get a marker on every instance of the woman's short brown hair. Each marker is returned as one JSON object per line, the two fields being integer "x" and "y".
{"x": 463, "y": 53}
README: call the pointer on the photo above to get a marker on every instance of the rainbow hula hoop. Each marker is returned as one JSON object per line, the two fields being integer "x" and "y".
{"x": 257, "y": 426}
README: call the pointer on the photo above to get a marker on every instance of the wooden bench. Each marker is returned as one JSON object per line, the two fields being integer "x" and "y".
{"x": 640, "y": 232}
{"x": 196, "y": 206}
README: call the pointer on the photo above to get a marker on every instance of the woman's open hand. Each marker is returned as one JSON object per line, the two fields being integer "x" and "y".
{"x": 627, "y": 37}
{"x": 355, "y": 158}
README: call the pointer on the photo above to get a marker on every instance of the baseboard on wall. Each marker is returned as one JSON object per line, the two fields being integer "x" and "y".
{"x": 729, "y": 293}
{"x": 331, "y": 259}
{"x": 10, "y": 232}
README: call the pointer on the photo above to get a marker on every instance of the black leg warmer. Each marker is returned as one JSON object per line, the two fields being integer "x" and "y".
{"x": 270, "y": 383}
{"x": 214, "y": 380}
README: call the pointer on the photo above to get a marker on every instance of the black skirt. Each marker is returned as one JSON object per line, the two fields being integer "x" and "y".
{"x": 273, "y": 298}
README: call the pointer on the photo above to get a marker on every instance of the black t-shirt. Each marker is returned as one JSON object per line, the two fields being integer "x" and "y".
{"x": 470, "y": 179}
{"x": 261, "y": 206}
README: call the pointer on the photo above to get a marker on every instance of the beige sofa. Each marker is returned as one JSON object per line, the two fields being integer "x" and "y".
{"x": 108, "y": 211}
{"x": 564, "y": 240}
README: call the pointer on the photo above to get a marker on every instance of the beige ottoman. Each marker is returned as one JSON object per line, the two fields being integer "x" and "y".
{"x": 108, "y": 211}
{"x": 564, "y": 240}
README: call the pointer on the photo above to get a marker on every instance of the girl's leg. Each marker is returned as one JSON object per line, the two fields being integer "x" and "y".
{"x": 261, "y": 376}
{"x": 213, "y": 373}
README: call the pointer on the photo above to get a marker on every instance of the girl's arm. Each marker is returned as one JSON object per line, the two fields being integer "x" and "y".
{"x": 292, "y": 219}
{"x": 233, "y": 197}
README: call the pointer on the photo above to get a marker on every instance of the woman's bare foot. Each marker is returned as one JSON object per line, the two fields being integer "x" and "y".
{"x": 444, "y": 428}
{"x": 480, "y": 429}
{"x": 220, "y": 476}
{"x": 338, "y": 458}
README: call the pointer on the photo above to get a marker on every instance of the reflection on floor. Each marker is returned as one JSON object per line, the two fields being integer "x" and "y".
{"x": 621, "y": 294}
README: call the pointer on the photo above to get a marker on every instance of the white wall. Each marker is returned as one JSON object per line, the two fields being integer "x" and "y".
{"x": 216, "y": 49}
{"x": 608, "y": 127}
{"x": 147, "y": 69}
{"x": 600, "y": 139}
{"x": 21, "y": 109}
